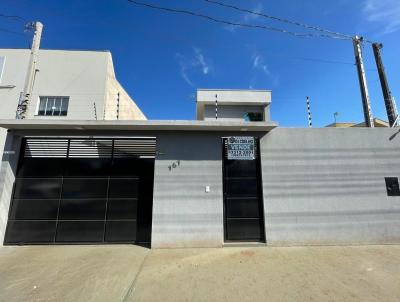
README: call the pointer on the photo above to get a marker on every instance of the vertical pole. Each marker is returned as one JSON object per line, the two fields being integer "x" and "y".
{"x": 309, "y": 113}
{"x": 95, "y": 110}
{"x": 216, "y": 106}
{"x": 387, "y": 95}
{"x": 26, "y": 96}
{"x": 118, "y": 106}
{"x": 369, "y": 120}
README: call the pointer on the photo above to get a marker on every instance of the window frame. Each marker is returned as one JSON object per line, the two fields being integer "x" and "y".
{"x": 45, "y": 98}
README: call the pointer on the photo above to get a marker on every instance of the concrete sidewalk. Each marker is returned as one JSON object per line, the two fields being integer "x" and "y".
{"x": 132, "y": 273}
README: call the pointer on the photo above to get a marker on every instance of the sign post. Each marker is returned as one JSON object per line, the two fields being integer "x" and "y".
{"x": 241, "y": 148}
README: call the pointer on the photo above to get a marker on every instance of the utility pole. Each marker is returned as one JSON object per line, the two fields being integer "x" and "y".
{"x": 369, "y": 120}
{"x": 26, "y": 95}
{"x": 309, "y": 113}
{"x": 387, "y": 95}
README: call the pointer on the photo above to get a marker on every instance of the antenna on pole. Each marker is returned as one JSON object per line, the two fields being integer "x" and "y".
{"x": 26, "y": 95}
{"x": 335, "y": 115}
{"x": 387, "y": 94}
{"x": 369, "y": 120}
{"x": 309, "y": 113}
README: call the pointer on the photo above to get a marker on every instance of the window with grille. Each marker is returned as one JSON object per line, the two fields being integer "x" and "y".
{"x": 53, "y": 105}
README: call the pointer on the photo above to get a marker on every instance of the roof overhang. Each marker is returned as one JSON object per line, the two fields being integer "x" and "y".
{"x": 148, "y": 125}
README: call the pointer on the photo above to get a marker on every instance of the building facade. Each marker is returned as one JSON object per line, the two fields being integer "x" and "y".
{"x": 232, "y": 179}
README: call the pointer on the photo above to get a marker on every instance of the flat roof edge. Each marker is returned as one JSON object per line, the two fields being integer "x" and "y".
{"x": 150, "y": 125}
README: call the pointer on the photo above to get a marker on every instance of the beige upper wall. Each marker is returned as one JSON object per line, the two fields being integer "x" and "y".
{"x": 86, "y": 77}
{"x": 128, "y": 110}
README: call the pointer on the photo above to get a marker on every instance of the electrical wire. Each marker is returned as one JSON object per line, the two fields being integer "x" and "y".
{"x": 14, "y": 18}
{"x": 11, "y": 32}
{"x": 332, "y": 34}
{"x": 246, "y": 25}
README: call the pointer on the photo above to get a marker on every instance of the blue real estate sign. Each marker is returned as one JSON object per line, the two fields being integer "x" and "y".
{"x": 240, "y": 148}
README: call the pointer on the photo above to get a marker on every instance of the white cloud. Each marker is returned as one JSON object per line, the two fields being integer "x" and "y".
{"x": 385, "y": 13}
{"x": 261, "y": 71}
{"x": 192, "y": 63}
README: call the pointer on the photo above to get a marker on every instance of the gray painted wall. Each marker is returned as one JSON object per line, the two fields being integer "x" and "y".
{"x": 184, "y": 215}
{"x": 326, "y": 186}
{"x": 320, "y": 186}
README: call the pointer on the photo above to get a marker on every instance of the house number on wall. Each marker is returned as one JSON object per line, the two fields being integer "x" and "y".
{"x": 174, "y": 165}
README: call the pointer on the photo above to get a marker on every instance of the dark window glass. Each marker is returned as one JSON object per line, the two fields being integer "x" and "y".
{"x": 30, "y": 231}
{"x": 254, "y": 117}
{"x": 122, "y": 209}
{"x": 94, "y": 167}
{"x": 42, "y": 106}
{"x": 34, "y": 209}
{"x": 242, "y": 208}
{"x": 37, "y": 188}
{"x": 241, "y": 187}
{"x": 57, "y": 106}
{"x": 123, "y": 188}
{"x": 41, "y": 167}
{"x": 392, "y": 186}
{"x": 49, "y": 106}
{"x": 80, "y": 231}
{"x": 90, "y": 209}
{"x": 244, "y": 229}
{"x": 64, "y": 106}
{"x": 120, "y": 231}
{"x": 82, "y": 188}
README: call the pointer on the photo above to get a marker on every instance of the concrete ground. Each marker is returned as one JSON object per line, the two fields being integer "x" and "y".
{"x": 132, "y": 273}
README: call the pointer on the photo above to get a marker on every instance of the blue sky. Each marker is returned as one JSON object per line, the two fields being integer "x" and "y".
{"x": 161, "y": 59}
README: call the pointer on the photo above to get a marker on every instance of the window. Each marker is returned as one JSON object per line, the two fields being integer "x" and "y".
{"x": 392, "y": 186}
{"x": 53, "y": 106}
{"x": 254, "y": 117}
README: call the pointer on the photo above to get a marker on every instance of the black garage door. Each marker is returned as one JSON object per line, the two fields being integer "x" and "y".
{"x": 83, "y": 190}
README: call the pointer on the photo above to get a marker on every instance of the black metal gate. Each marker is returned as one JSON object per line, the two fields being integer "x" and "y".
{"x": 243, "y": 201}
{"x": 83, "y": 190}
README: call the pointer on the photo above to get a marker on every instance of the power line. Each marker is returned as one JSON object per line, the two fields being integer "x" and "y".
{"x": 11, "y": 32}
{"x": 312, "y": 27}
{"x": 246, "y": 25}
{"x": 14, "y": 18}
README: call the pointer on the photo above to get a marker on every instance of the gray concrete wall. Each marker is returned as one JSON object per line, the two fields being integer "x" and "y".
{"x": 184, "y": 215}
{"x": 320, "y": 186}
{"x": 7, "y": 177}
{"x": 326, "y": 186}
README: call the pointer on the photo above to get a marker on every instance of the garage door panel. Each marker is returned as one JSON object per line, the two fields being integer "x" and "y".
{"x": 29, "y": 209}
{"x": 82, "y": 209}
{"x": 84, "y": 188}
{"x": 123, "y": 187}
{"x": 80, "y": 231}
{"x": 121, "y": 231}
{"x": 122, "y": 208}
{"x": 30, "y": 232}
{"x": 41, "y": 167}
{"x": 88, "y": 167}
{"x": 37, "y": 188}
